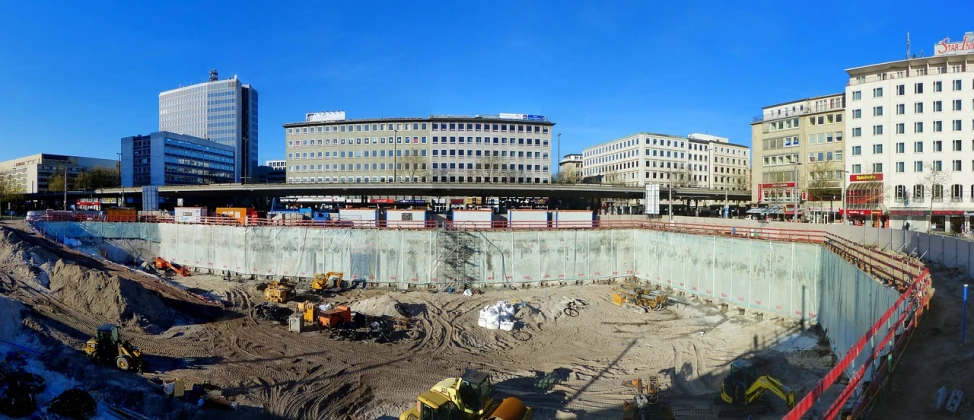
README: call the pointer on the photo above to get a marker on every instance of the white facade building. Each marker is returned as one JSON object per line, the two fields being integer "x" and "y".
{"x": 910, "y": 147}
{"x": 698, "y": 160}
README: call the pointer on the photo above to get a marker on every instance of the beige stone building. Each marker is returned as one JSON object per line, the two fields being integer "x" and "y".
{"x": 799, "y": 152}
{"x": 570, "y": 169}
{"x": 504, "y": 148}
{"x": 32, "y": 173}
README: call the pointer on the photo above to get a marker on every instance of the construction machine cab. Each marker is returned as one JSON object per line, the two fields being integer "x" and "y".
{"x": 475, "y": 391}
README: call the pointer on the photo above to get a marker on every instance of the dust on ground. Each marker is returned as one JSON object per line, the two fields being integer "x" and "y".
{"x": 562, "y": 366}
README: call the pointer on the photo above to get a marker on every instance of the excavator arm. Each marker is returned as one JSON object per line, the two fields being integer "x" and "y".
{"x": 767, "y": 383}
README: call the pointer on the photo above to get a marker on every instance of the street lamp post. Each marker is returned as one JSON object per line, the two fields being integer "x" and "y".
{"x": 120, "y": 186}
{"x": 65, "y": 188}
{"x": 669, "y": 185}
{"x": 798, "y": 192}
{"x": 843, "y": 209}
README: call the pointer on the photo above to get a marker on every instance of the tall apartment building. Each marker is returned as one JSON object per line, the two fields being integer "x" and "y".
{"x": 222, "y": 111}
{"x": 32, "y": 173}
{"x": 698, "y": 160}
{"x": 911, "y": 139}
{"x": 798, "y": 153}
{"x": 164, "y": 158}
{"x": 505, "y": 148}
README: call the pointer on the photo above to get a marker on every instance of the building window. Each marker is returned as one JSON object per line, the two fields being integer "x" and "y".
{"x": 938, "y": 106}
{"x": 857, "y": 168}
{"x": 918, "y": 127}
{"x": 900, "y": 128}
{"x": 957, "y": 125}
{"x": 938, "y": 126}
{"x": 938, "y": 86}
{"x": 918, "y": 147}
{"x": 877, "y": 111}
{"x": 900, "y": 109}
{"x": 938, "y": 146}
{"x": 856, "y": 150}
{"x": 918, "y": 166}
{"x": 857, "y": 132}
{"x": 856, "y": 114}
{"x": 877, "y": 130}
{"x": 957, "y": 105}
{"x": 900, "y": 166}
{"x": 957, "y": 85}
{"x": 918, "y": 108}
{"x": 877, "y": 149}
{"x": 900, "y": 193}
{"x": 956, "y": 166}
{"x": 877, "y": 92}
{"x": 900, "y": 90}
{"x": 918, "y": 88}
{"x": 938, "y": 166}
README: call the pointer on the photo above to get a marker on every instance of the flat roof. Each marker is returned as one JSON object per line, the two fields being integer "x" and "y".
{"x": 476, "y": 118}
{"x": 910, "y": 61}
{"x": 805, "y": 99}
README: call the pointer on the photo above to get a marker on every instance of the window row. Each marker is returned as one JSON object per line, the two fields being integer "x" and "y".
{"x": 521, "y": 128}
{"x": 443, "y": 178}
{"x": 918, "y": 127}
{"x": 357, "y": 140}
{"x": 414, "y": 166}
{"x": 919, "y": 193}
{"x": 419, "y": 126}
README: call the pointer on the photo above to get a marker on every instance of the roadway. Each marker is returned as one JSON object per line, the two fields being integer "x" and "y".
{"x": 427, "y": 189}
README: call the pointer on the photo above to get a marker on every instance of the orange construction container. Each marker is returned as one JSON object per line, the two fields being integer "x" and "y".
{"x": 121, "y": 215}
{"x": 238, "y": 213}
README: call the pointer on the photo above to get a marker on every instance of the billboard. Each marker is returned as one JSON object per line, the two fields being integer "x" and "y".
{"x": 325, "y": 116}
{"x": 652, "y": 199}
{"x": 524, "y": 117}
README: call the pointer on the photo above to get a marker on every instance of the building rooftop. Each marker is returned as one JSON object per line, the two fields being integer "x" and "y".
{"x": 474, "y": 118}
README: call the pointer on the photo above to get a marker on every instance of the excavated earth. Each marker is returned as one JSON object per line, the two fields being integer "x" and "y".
{"x": 562, "y": 366}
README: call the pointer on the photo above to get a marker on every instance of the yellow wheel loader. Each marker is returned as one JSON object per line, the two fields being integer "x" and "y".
{"x": 469, "y": 397}
{"x": 107, "y": 347}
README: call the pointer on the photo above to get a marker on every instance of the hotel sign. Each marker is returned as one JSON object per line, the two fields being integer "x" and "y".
{"x": 965, "y": 46}
{"x": 865, "y": 178}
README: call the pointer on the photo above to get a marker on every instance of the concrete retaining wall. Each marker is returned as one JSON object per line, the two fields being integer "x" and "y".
{"x": 793, "y": 280}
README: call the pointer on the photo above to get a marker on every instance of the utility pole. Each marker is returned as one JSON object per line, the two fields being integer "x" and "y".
{"x": 798, "y": 193}
{"x": 669, "y": 184}
{"x": 65, "y": 188}
{"x": 122, "y": 187}
{"x": 558, "y": 158}
{"x": 726, "y": 205}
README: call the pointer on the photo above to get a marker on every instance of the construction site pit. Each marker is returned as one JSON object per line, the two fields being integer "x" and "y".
{"x": 215, "y": 334}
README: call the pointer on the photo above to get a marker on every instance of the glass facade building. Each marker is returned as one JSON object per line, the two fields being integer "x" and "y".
{"x": 165, "y": 158}
{"x": 221, "y": 111}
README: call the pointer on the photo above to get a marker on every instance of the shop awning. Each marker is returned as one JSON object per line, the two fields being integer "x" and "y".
{"x": 757, "y": 211}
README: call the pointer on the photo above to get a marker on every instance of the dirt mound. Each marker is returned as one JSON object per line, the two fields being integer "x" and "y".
{"x": 24, "y": 261}
{"x": 377, "y": 306}
{"x": 11, "y": 319}
{"x": 110, "y": 298}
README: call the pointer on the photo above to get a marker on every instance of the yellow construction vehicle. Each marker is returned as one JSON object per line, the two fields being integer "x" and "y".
{"x": 634, "y": 294}
{"x": 108, "y": 347}
{"x": 278, "y": 292}
{"x": 744, "y": 387}
{"x": 469, "y": 397}
{"x": 331, "y": 279}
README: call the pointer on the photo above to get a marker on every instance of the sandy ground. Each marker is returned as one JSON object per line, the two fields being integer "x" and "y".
{"x": 564, "y": 367}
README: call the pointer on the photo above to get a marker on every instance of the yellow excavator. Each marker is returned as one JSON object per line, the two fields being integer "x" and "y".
{"x": 469, "y": 397}
{"x": 107, "y": 347}
{"x": 743, "y": 387}
{"x": 331, "y": 279}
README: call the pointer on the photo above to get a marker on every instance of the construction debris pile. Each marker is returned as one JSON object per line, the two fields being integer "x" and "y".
{"x": 272, "y": 313}
{"x": 19, "y": 391}
{"x": 497, "y": 316}
{"x": 74, "y": 403}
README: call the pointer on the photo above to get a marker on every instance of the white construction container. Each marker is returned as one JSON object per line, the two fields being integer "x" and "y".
{"x": 414, "y": 219}
{"x": 189, "y": 214}
{"x": 571, "y": 219}
{"x": 527, "y": 219}
{"x": 475, "y": 219}
{"x": 359, "y": 217}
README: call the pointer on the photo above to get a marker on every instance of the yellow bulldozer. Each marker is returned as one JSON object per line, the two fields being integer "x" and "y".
{"x": 630, "y": 293}
{"x": 107, "y": 347}
{"x": 278, "y": 291}
{"x": 329, "y": 280}
{"x": 744, "y": 388}
{"x": 469, "y": 397}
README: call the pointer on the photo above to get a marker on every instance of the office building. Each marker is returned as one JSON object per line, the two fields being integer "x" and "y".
{"x": 570, "y": 169}
{"x": 911, "y": 139}
{"x": 222, "y": 111}
{"x": 798, "y": 153}
{"x": 694, "y": 161}
{"x": 503, "y": 148}
{"x": 164, "y": 158}
{"x": 33, "y": 173}
{"x": 273, "y": 172}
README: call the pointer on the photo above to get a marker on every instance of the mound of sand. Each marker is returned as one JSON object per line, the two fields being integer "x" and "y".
{"x": 109, "y": 298}
{"x": 11, "y": 319}
{"x": 24, "y": 261}
{"x": 377, "y": 306}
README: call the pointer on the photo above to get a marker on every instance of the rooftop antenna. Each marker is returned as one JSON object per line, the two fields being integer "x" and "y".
{"x": 907, "y": 45}
{"x": 213, "y": 75}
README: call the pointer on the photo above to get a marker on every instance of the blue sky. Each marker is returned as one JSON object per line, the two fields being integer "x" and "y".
{"x": 75, "y": 78}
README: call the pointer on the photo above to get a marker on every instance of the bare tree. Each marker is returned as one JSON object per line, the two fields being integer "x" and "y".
{"x": 97, "y": 178}
{"x": 10, "y": 190}
{"x": 820, "y": 181}
{"x": 742, "y": 182}
{"x": 683, "y": 177}
{"x": 413, "y": 166}
{"x": 56, "y": 182}
{"x": 569, "y": 176}
{"x": 933, "y": 181}
{"x": 490, "y": 167}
